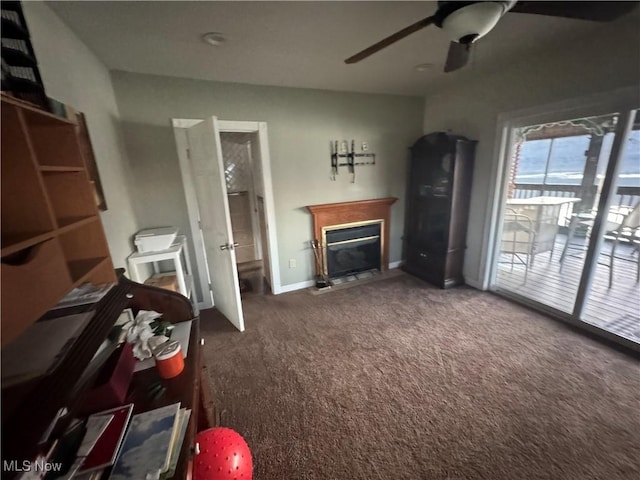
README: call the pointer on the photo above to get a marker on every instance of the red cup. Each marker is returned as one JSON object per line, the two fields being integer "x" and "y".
{"x": 169, "y": 360}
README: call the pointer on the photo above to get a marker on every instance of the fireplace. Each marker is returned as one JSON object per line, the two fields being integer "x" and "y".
{"x": 352, "y": 236}
{"x": 352, "y": 248}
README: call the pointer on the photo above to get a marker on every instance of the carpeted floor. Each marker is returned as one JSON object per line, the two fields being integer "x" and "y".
{"x": 398, "y": 380}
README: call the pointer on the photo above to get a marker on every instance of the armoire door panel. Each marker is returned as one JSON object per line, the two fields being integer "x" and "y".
{"x": 439, "y": 190}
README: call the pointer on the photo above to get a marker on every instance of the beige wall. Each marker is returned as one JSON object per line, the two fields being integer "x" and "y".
{"x": 599, "y": 63}
{"x": 301, "y": 124}
{"x": 73, "y": 75}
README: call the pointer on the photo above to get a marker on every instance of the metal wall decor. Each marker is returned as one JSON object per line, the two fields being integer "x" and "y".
{"x": 351, "y": 156}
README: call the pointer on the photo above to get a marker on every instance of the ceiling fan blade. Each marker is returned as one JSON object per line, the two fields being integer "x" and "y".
{"x": 457, "y": 57}
{"x": 597, "y": 11}
{"x": 405, "y": 32}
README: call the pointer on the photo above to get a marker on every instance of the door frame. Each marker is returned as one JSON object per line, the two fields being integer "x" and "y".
{"x": 179, "y": 128}
{"x": 599, "y": 104}
{"x": 592, "y": 105}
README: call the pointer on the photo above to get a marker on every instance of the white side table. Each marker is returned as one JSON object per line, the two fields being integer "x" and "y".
{"x": 178, "y": 253}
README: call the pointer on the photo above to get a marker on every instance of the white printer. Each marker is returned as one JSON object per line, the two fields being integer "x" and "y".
{"x": 155, "y": 239}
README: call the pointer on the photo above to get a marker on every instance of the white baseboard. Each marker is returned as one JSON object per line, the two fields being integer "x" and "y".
{"x": 473, "y": 283}
{"x": 204, "y": 305}
{"x": 292, "y": 287}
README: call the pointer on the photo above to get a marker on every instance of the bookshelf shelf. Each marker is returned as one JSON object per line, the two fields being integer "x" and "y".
{"x": 82, "y": 269}
{"x": 58, "y": 168}
{"x": 16, "y": 242}
{"x": 51, "y": 231}
{"x": 66, "y": 224}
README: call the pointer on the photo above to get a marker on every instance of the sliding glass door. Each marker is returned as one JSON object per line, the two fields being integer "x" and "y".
{"x": 611, "y": 299}
{"x": 567, "y": 240}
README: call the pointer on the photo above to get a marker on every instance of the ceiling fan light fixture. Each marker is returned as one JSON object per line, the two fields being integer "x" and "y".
{"x": 467, "y": 21}
{"x": 473, "y": 21}
{"x": 214, "y": 39}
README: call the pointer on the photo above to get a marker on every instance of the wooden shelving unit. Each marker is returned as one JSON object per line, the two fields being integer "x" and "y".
{"x": 52, "y": 237}
{"x": 20, "y": 73}
{"x": 53, "y": 241}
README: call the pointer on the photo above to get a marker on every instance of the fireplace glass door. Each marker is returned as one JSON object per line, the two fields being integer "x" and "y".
{"x": 353, "y": 249}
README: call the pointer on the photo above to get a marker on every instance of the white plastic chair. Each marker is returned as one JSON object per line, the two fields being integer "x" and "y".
{"x": 518, "y": 239}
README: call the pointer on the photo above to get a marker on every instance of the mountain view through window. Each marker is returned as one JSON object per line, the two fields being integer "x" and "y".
{"x": 561, "y": 161}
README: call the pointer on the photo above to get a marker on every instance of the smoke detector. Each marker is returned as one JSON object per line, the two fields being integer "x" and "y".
{"x": 424, "y": 67}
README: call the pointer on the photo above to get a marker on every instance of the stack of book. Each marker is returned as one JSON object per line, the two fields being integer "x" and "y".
{"x": 142, "y": 446}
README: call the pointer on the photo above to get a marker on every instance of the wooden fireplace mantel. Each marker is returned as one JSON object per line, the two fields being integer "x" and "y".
{"x": 330, "y": 214}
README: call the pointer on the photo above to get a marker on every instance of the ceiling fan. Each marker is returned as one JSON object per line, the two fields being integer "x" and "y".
{"x": 466, "y": 22}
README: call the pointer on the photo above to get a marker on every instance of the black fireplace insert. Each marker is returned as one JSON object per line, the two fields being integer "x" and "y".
{"x": 352, "y": 250}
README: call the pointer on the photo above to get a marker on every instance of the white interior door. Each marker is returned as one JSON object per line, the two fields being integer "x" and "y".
{"x": 207, "y": 167}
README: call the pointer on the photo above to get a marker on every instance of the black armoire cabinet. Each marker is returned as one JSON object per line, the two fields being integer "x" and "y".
{"x": 438, "y": 193}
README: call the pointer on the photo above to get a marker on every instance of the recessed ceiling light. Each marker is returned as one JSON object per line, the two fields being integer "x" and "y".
{"x": 214, "y": 38}
{"x": 424, "y": 67}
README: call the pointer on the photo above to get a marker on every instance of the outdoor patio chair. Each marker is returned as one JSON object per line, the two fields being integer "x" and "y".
{"x": 518, "y": 239}
{"x": 627, "y": 233}
{"x": 621, "y": 229}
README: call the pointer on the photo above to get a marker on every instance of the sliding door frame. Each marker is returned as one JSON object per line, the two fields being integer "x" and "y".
{"x": 624, "y": 102}
{"x": 623, "y": 128}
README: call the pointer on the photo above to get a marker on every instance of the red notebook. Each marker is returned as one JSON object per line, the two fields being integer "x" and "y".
{"x": 106, "y": 449}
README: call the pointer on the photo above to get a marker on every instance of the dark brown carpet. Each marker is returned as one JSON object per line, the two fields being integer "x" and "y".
{"x": 399, "y": 380}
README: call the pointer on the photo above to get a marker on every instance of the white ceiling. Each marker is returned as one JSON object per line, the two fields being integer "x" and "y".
{"x": 297, "y": 44}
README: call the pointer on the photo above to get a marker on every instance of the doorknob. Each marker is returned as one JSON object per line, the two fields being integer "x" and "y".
{"x": 229, "y": 246}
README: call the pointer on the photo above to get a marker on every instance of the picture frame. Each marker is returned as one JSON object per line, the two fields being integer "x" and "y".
{"x": 90, "y": 162}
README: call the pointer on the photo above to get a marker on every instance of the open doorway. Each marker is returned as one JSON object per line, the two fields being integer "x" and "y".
{"x": 205, "y": 178}
{"x": 245, "y": 192}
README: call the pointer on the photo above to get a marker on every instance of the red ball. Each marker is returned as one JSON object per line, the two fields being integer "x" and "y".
{"x": 224, "y": 455}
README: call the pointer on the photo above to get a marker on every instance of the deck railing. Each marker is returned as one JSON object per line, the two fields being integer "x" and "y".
{"x": 625, "y": 196}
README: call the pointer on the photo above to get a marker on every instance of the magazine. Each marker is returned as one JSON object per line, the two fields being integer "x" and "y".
{"x": 176, "y": 447}
{"x": 146, "y": 448}
{"x": 106, "y": 448}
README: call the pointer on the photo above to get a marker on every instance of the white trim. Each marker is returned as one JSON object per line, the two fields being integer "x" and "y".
{"x": 592, "y": 105}
{"x": 498, "y": 184}
{"x": 239, "y": 127}
{"x": 202, "y": 305}
{"x": 292, "y": 287}
{"x": 474, "y": 283}
{"x": 589, "y": 106}
{"x": 192, "y": 208}
{"x": 270, "y": 208}
{"x": 179, "y": 126}
{"x": 253, "y": 205}
{"x": 184, "y": 122}
{"x": 310, "y": 283}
